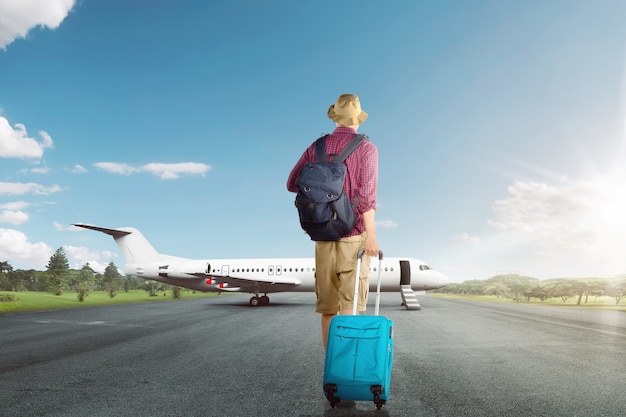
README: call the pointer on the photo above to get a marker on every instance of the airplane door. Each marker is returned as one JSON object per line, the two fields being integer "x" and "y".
{"x": 405, "y": 273}
{"x": 225, "y": 270}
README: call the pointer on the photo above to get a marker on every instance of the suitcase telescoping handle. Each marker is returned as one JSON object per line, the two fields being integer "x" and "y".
{"x": 356, "y": 284}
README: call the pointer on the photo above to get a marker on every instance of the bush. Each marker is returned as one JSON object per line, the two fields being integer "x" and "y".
{"x": 8, "y": 301}
{"x": 83, "y": 293}
{"x": 7, "y": 297}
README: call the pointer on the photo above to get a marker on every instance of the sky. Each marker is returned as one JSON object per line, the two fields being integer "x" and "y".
{"x": 500, "y": 125}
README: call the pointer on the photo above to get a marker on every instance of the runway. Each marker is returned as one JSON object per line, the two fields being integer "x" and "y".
{"x": 220, "y": 357}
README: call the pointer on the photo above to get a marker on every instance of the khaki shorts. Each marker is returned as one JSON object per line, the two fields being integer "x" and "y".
{"x": 335, "y": 273}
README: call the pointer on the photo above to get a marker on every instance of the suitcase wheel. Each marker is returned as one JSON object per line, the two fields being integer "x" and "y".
{"x": 330, "y": 390}
{"x": 377, "y": 390}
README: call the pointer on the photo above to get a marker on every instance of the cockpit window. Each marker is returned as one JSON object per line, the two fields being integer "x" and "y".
{"x": 425, "y": 267}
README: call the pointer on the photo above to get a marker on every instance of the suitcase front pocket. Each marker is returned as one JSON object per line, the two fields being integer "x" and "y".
{"x": 355, "y": 355}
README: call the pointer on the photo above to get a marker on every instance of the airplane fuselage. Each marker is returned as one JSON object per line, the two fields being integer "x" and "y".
{"x": 258, "y": 276}
{"x": 278, "y": 274}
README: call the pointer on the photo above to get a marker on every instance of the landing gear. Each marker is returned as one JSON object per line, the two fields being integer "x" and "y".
{"x": 256, "y": 301}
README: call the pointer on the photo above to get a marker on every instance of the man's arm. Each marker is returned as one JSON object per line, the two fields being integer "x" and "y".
{"x": 371, "y": 244}
{"x": 295, "y": 171}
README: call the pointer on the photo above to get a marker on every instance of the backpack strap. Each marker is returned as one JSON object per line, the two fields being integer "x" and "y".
{"x": 350, "y": 147}
{"x": 320, "y": 148}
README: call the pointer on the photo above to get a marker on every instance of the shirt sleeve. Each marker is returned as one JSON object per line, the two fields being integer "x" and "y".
{"x": 368, "y": 178}
{"x": 293, "y": 175}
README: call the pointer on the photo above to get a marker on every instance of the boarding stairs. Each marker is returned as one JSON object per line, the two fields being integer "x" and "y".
{"x": 409, "y": 300}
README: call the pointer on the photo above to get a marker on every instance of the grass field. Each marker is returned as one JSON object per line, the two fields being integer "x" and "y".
{"x": 35, "y": 301}
{"x": 602, "y": 302}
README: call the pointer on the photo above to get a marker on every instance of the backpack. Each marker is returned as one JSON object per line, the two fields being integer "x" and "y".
{"x": 326, "y": 213}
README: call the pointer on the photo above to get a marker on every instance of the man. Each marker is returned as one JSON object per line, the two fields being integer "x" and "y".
{"x": 335, "y": 262}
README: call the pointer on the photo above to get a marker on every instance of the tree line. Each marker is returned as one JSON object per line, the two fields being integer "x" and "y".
{"x": 59, "y": 278}
{"x": 520, "y": 288}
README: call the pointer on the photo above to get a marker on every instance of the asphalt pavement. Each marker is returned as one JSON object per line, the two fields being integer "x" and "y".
{"x": 221, "y": 357}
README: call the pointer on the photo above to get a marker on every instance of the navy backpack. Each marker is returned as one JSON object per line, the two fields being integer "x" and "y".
{"x": 326, "y": 213}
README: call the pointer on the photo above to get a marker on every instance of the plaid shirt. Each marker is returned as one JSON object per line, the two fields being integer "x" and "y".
{"x": 362, "y": 173}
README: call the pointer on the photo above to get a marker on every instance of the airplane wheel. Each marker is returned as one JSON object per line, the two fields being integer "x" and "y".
{"x": 265, "y": 300}
{"x": 255, "y": 301}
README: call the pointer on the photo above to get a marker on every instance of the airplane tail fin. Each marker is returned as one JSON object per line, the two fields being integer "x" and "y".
{"x": 133, "y": 245}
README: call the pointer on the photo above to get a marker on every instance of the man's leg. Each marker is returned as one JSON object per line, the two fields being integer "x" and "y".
{"x": 325, "y": 325}
{"x": 326, "y": 285}
{"x": 346, "y": 269}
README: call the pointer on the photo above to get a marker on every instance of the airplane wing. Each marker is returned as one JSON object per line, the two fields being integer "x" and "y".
{"x": 256, "y": 286}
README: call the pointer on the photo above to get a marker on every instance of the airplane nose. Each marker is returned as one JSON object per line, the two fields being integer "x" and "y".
{"x": 442, "y": 279}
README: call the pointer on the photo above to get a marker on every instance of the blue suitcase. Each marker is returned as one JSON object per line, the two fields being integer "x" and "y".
{"x": 359, "y": 354}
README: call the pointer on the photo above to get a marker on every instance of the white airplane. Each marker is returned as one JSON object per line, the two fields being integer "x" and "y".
{"x": 260, "y": 276}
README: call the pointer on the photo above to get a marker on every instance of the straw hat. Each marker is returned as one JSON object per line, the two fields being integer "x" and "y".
{"x": 347, "y": 110}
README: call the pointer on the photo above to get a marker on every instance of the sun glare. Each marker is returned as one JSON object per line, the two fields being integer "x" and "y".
{"x": 607, "y": 219}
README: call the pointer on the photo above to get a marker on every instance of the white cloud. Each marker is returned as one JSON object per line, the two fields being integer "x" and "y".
{"x": 386, "y": 224}
{"x": 162, "y": 170}
{"x": 98, "y": 260}
{"x": 42, "y": 170}
{"x": 13, "y": 217}
{"x": 15, "y": 205}
{"x": 15, "y": 142}
{"x": 578, "y": 223}
{"x": 12, "y": 213}
{"x": 19, "y": 188}
{"x": 466, "y": 239}
{"x": 116, "y": 168}
{"x": 14, "y": 246}
{"x": 174, "y": 171}
{"x": 62, "y": 228}
{"x": 18, "y": 17}
{"x": 77, "y": 169}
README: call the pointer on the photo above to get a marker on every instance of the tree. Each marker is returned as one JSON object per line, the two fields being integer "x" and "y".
{"x": 616, "y": 289}
{"x": 85, "y": 282}
{"x": 585, "y": 286}
{"x": 5, "y": 267}
{"x": 111, "y": 279}
{"x": 153, "y": 287}
{"x": 5, "y": 276}
{"x": 537, "y": 292}
{"x": 560, "y": 287}
{"x": 512, "y": 285}
{"x": 58, "y": 267}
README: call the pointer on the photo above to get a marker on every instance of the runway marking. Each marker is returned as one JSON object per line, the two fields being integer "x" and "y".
{"x": 80, "y": 323}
